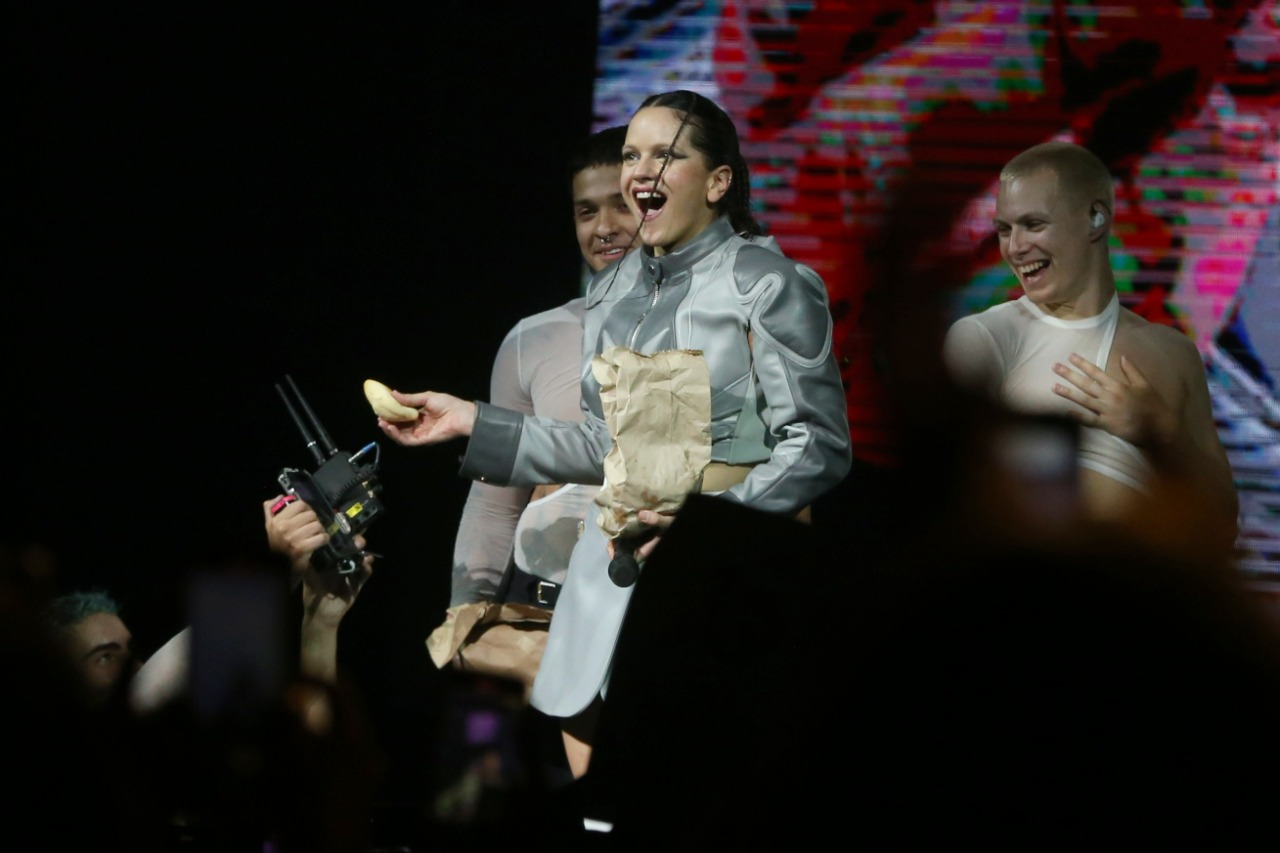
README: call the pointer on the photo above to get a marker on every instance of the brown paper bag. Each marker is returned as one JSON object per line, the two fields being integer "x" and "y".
{"x": 658, "y": 409}
{"x": 504, "y": 640}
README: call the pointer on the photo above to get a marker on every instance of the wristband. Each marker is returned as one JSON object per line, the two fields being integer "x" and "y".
{"x": 284, "y": 501}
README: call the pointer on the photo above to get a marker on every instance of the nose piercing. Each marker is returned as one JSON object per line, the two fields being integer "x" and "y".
{"x": 608, "y": 238}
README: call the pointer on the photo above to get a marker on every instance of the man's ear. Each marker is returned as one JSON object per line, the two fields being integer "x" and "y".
{"x": 718, "y": 183}
{"x": 1099, "y": 220}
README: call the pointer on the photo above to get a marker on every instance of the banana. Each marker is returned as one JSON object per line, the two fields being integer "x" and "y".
{"x": 385, "y": 405}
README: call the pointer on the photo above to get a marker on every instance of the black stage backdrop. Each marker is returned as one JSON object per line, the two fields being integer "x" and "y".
{"x": 209, "y": 200}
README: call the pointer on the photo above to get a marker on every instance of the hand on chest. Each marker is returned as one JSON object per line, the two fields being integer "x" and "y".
{"x": 1029, "y": 379}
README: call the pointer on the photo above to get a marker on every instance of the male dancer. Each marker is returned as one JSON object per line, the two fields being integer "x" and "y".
{"x": 1068, "y": 348}
{"x": 537, "y": 371}
{"x": 513, "y": 543}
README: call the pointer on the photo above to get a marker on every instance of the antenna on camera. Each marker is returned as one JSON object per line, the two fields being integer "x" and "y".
{"x": 311, "y": 441}
{"x": 327, "y": 443}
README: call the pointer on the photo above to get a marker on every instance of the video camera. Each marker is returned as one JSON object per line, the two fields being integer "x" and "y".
{"x": 343, "y": 490}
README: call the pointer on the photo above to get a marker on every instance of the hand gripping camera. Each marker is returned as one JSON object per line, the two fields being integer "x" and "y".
{"x": 343, "y": 490}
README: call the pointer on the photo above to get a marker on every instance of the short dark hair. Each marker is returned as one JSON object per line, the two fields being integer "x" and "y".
{"x": 603, "y": 148}
{"x": 67, "y": 611}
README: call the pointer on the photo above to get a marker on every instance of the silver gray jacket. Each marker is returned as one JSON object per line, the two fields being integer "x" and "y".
{"x": 764, "y": 326}
{"x": 762, "y": 322}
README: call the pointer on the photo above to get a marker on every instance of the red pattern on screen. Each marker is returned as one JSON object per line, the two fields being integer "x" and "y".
{"x": 1117, "y": 79}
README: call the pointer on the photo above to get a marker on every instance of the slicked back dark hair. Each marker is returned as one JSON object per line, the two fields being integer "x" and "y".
{"x": 713, "y": 135}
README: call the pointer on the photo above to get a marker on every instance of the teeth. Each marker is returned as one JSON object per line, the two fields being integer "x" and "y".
{"x": 1027, "y": 269}
{"x": 649, "y": 199}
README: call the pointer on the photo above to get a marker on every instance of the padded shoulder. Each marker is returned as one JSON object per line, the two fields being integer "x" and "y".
{"x": 788, "y": 300}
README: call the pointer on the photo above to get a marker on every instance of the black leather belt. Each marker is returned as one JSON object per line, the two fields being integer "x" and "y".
{"x": 524, "y": 588}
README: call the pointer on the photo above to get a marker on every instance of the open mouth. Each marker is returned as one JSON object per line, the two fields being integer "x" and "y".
{"x": 649, "y": 200}
{"x": 1032, "y": 269}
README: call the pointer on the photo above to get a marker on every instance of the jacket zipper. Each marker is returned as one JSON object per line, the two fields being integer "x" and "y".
{"x": 657, "y": 289}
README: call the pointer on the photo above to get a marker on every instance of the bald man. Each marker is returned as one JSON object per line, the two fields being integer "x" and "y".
{"x": 1066, "y": 347}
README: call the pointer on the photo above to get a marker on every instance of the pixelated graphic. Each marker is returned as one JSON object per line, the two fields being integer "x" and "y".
{"x": 863, "y": 120}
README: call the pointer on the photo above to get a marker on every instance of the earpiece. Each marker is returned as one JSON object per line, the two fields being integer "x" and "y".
{"x": 1098, "y": 219}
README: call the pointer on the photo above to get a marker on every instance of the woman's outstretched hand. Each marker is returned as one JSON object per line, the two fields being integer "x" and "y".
{"x": 440, "y": 418}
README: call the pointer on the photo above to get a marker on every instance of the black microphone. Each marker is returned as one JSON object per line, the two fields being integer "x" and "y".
{"x": 624, "y": 568}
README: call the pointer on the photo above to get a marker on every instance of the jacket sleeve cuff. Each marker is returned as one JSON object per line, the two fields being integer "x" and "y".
{"x": 491, "y": 451}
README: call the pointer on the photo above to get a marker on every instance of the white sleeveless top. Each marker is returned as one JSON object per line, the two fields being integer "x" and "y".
{"x": 549, "y": 528}
{"x": 1023, "y": 343}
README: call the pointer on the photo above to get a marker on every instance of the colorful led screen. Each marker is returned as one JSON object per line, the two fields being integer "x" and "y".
{"x": 857, "y": 114}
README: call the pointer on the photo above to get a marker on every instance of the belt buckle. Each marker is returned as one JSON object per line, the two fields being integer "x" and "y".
{"x": 540, "y": 590}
